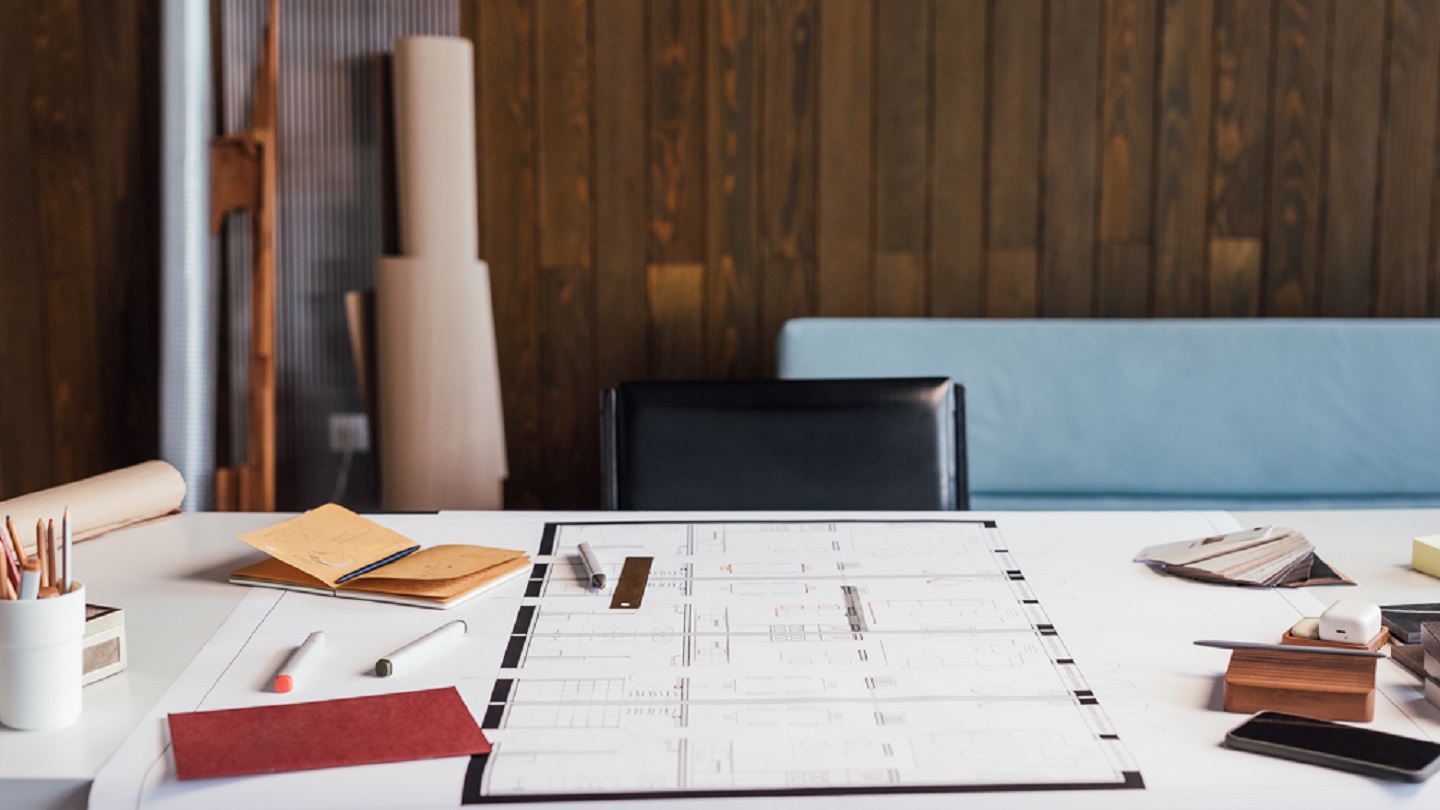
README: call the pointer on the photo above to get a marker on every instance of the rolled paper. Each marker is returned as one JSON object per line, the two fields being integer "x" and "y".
{"x": 104, "y": 502}
{"x": 435, "y": 147}
{"x": 442, "y": 431}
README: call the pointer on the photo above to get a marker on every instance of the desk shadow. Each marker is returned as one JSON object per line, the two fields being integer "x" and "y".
{"x": 1217, "y": 695}
{"x": 221, "y": 572}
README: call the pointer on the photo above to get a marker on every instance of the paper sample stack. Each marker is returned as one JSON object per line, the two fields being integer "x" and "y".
{"x": 1269, "y": 555}
{"x": 1430, "y": 642}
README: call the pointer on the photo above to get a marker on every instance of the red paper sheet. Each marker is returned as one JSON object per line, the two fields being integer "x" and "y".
{"x": 324, "y": 734}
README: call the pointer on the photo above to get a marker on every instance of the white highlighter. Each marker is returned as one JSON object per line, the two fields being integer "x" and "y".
{"x": 295, "y": 664}
{"x": 420, "y": 648}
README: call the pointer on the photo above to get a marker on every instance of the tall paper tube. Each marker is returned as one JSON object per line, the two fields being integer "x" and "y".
{"x": 441, "y": 422}
{"x": 442, "y": 430}
{"x": 435, "y": 147}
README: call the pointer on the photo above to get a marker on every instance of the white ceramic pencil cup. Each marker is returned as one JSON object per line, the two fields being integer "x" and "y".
{"x": 40, "y": 661}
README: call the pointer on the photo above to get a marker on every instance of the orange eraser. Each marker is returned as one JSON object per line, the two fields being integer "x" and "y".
{"x": 284, "y": 683}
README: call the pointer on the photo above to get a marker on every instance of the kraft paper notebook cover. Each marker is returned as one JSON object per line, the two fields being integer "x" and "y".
{"x": 428, "y": 724}
{"x": 333, "y": 551}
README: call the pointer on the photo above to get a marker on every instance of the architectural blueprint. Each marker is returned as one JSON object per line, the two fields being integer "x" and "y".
{"x": 767, "y": 658}
{"x": 813, "y": 657}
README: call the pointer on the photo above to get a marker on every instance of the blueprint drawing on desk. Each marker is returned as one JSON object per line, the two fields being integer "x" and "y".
{"x": 792, "y": 657}
{"x": 773, "y": 658}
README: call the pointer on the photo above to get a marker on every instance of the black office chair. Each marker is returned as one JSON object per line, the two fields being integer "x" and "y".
{"x": 869, "y": 444}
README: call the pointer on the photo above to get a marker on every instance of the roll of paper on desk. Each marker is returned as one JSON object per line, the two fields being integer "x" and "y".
{"x": 422, "y": 647}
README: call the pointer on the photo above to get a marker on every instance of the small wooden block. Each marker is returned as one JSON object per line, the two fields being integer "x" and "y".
{"x": 1373, "y": 645}
{"x": 1329, "y": 687}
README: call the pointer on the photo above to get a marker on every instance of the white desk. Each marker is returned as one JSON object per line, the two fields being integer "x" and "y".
{"x": 169, "y": 576}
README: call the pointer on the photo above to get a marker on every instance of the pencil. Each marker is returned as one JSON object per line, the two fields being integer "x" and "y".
{"x": 52, "y": 541}
{"x": 15, "y": 539}
{"x": 40, "y": 553}
{"x": 65, "y": 546}
{"x": 7, "y": 590}
{"x": 12, "y": 558}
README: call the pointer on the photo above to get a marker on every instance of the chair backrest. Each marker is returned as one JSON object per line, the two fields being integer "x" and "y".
{"x": 1163, "y": 414}
{"x": 789, "y": 445}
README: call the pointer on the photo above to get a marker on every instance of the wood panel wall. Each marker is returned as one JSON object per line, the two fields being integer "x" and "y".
{"x": 668, "y": 181}
{"x": 665, "y": 182}
{"x": 79, "y": 238}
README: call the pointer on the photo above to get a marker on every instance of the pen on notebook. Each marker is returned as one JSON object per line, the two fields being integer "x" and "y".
{"x": 295, "y": 664}
{"x": 420, "y": 648}
{"x": 30, "y": 580}
{"x": 593, "y": 570}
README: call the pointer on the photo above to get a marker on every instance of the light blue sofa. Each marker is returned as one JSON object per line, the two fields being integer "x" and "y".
{"x": 1167, "y": 414}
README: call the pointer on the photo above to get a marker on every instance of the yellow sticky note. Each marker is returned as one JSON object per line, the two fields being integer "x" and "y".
{"x": 1425, "y": 555}
{"x": 329, "y": 542}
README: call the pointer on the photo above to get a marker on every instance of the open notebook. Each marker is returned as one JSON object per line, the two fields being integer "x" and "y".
{"x": 333, "y": 551}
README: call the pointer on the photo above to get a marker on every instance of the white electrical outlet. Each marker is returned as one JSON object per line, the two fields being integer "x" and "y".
{"x": 349, "y": 432}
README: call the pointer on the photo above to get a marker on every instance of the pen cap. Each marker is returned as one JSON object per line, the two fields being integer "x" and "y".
{"x": 40, "y": 660}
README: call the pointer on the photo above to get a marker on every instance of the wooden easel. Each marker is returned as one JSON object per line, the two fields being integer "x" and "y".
{"x": 242, "y": 167}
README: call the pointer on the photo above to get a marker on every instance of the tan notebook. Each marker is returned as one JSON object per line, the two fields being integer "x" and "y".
{"x": 334, "y": 551}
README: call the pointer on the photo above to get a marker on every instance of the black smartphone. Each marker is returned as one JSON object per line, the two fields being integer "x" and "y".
{"x": 1335, "y": 745}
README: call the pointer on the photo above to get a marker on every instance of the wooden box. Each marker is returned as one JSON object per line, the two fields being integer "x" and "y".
{"x": 1322, "y": 685}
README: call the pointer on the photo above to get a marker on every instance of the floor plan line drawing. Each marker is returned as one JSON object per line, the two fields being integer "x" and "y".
{"x": 790, "y": 656}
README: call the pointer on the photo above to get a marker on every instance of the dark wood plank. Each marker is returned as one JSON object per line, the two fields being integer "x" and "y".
{"x": 620, "y": 215}
{"x": 25, "y": 430}
{"x": 677, "y": 337}
{"x": 126, "y": 201}
{"x": 62, "y": 132}
{"x": 1013, "y": 275}
{"x": 1240, "y": 135}
{"x": 1015, "y": 118}
{"x": 563, "y": 91}
{"x": 844, "y": 252}
{"x": 900, "y": 284}
{"x": 677, "y": 135}
{"x": 569, "y": 391}
{"x": 1067, "y": 274}
{"x": 1123, "y": 280}
{"x": 1242, "y": 104}
{"x": 732, "y": 345}
{"x": 1352, "y": 163}
{"x": 505, "y": 53}
{"x": 1292, "y": 275}
{"x": 1182, "y": 161}
{"x": 1408, "y": 160}
{"x": 571, "y": 455}
{"x": 957, "y": 223}
{"x": 787, "y": 170}
{"x": 1234, "y": 272}
{"x": 902, "y": 140}
{"x": 1127, "y": 132}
